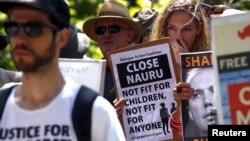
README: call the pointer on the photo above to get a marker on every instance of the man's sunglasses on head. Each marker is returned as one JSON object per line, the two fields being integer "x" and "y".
{"x": 31, "y": 29}
{"x": 205, "y": 5}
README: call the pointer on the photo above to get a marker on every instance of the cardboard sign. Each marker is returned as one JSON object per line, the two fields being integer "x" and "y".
{"x": 200, "y": 110}
{"x": 231, "y": 40}
{"x": 88, "y": 72}
{"x": 145, "y": 76}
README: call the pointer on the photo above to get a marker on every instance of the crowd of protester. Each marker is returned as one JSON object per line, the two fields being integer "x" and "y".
{"x": 40, "y": 34}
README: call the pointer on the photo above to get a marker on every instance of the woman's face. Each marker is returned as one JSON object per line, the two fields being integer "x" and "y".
{"x": 180, "y": 26}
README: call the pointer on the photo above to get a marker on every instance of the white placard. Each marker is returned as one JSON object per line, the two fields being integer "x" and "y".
{"x": 231, "y": 48}
{"x": 145, "y": 77}
{"x": 88, "y": 72}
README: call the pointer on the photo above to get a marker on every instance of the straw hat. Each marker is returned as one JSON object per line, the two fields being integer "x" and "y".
{"x": 112, "y": 10}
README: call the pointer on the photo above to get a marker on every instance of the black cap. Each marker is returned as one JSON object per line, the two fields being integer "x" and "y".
{"x": 3, "y": 41}
{"x": 58, "y": 10}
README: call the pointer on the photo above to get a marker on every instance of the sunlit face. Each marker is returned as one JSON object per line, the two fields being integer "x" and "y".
{"x": 179, "y": 27}
{"x": 112, "y": 41}
{"x": 202, "y": 108}
{"x": 31, "y": 53}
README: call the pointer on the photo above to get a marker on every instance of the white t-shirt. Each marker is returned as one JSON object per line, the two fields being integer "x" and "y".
{"x": 53, "y": 122}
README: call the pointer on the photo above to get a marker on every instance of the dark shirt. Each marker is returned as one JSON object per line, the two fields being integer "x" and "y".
{"x": 109, "y": 92}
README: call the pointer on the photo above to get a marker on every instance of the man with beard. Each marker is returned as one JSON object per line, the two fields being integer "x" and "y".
{"x": 42, "y": 107}
{"x": 76, "y": 47}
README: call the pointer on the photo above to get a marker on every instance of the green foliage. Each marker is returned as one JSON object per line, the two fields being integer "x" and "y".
{"x": 81, "y": 10}
{"x": 5, "y": 58}
{"x": 94, "y": 51}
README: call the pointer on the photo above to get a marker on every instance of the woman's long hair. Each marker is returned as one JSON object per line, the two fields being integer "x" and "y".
{"x": 192, "y": 7}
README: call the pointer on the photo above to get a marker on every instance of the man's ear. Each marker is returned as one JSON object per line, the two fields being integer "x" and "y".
{"x": 62, "y": 37}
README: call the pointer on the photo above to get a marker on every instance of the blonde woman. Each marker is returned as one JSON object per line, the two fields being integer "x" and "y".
{"x": 185, "y": 24}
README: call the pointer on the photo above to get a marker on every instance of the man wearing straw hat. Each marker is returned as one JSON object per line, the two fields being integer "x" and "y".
{"x": 112, "y": 29}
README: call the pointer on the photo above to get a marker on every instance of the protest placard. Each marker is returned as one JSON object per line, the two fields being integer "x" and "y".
{"x": 231, "y": 40}
{"x": 200, "y": 110}
{"x": 145, "y": 76}
{"x": 88, "y": 72}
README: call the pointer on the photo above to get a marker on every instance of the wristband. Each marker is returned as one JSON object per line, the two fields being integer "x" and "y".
{"x": 174, "y": 124}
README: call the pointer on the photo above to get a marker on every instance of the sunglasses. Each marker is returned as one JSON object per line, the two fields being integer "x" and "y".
{"x": 100, "y": 30}
{"x": 31, "y": 29}
{"x": 204, "y": 5}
